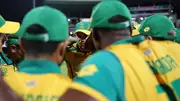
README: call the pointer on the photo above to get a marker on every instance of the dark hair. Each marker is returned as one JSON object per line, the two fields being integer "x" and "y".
{"x": 114, "y": 19}
{"x": 35, "y": 47}
{"x": 170, "y": 33}
{"x": 117, "y": 19}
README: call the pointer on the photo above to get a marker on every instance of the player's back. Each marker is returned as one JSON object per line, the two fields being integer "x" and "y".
{"x": 140, "y": 82}
{"x": 164, "y": 60}
{"x": 44, "y": 87}
{"x": 172, "y": 48}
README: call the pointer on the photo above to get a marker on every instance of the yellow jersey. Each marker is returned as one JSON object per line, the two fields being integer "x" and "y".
{"x": 119, "y": 73}
{"x": 136, "y": 71}
{"x": 47, "y": 87}
{"x": 38, "y": 80}
{"x": 163, "y": 59}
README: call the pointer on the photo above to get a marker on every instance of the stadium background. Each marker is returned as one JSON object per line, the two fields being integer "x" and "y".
{"x": 78, "y": 10}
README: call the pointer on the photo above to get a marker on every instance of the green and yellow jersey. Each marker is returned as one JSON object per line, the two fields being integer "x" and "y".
{"x": 163, "y": 57}
{"x": 38, "y": 80}
{"x": 118, "y": 73}
{"x": 6, "y": 65}
{"x": 64, "y": 69}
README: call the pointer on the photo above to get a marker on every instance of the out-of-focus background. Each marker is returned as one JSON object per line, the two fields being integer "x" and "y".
{"x": 78, "y": 10}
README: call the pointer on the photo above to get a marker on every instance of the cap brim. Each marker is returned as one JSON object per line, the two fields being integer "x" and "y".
{"x": 84, "y": 31}
{"x": 10, "y": 27}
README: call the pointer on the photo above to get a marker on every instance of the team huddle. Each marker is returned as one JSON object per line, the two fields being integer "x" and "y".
{"x": 128, "y": 62}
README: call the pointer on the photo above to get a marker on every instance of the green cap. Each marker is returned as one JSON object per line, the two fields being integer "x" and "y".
{"x": 157, "y": 26}
{"x": 105, "y": 10}
{"x": 54, "y": 21}
{"x": 13, "y": 41}
{"x": 82, "y": 27}
{"x": 8, "y": 27}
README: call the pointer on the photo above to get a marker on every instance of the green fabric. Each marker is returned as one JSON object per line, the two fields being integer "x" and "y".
{"x": 109, "y": 78}
{"x": 74, "y": 41}
{"x": 54, "y": 21}
{"x": 178, "y": 35}
{"x": 14, "y": 35}
{"x": 4, "y": 59}
{"x": 105, "y": 10}
{"x": 83, "y": 27}
{"x": 133, "y": 40}
{"x": 13, "y": 41}
{"x": 2, "y": 21}
{"x": 64, "y": 69}
{"x": 38, "y": 67}
{"x": 157, "y": 26}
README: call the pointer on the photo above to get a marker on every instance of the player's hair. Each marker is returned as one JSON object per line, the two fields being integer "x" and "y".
{"x": 35, "y": 47}
{"x": 162, "y": 38}
{"x": 114, "y": 19}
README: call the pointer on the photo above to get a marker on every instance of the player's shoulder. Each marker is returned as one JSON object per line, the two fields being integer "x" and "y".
{"x": 101, "y": 60}
{"x": 100, "y": 57}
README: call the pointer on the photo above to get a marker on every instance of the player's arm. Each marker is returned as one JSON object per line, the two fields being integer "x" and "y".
{"x": 75, "y": 95}
{"x": 6, "y": 94}
{"x": 101, "y": 78}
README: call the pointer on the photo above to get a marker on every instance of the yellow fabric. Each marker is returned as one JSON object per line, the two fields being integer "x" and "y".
{"x": 166, "y": 59}
{"x": 8, "y": 69}
{"x": 44, "y": 87}
{"x": 89, "y": 91}
{"x": 140, "y": 82}
{"x": 10, "y": 27}
{"x": 173, "y": 48}
{"x": 84, "y": 31}
{"x": 136, "y": 30}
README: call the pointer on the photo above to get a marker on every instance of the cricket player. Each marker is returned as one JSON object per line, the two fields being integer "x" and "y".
{"x": 44, "y": 38}
{"x": 14, "y": 51}
{"x": 82, "y": 32}
{"x": 118, "y": 72}
{"x": 162, "y": 53}
{"x": 6, "y": 27}
{"x": 79, "y": 50}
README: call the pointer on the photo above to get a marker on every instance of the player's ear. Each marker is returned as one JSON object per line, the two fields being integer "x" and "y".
{"x": 62, "y": 47}
{"x": 58, "y": 54}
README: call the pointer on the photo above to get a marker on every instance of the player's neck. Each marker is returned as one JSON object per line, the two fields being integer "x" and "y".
{"x": 109, "y": 41}
{"x": 38, "y": 57}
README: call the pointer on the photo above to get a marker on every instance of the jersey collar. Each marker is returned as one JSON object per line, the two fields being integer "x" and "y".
{"x": 133, "y": 40}
{"x": 4, "y": 59}
{"x": 38, "y": 67}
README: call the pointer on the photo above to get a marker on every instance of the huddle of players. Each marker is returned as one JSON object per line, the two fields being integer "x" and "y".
{"x": 144, "y": 67}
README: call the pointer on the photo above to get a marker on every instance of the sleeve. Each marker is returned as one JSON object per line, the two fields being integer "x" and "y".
{"x": 104, "y": 73}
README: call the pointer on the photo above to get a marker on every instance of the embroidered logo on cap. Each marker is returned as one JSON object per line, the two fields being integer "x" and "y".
{"x": 146, "y": 29}
{"x": 81, "y": 25}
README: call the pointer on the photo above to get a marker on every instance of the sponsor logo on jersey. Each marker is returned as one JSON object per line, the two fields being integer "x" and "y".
{"x": 148, "y": 52}
{"x": 88, "y": 70}
{"x": 31, "y": 83}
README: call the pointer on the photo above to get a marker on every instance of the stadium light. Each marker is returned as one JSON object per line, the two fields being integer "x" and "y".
{"x": 141, "y": 18}
{"x": 85, "y": 19}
